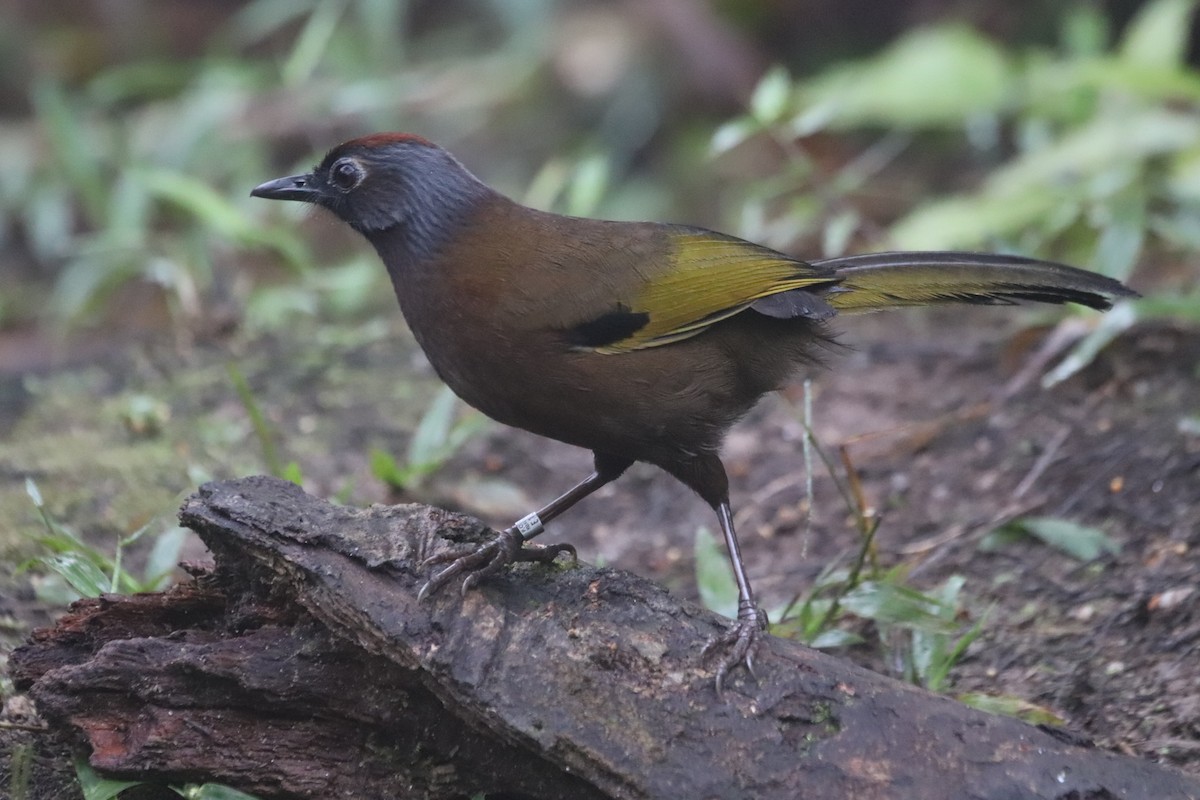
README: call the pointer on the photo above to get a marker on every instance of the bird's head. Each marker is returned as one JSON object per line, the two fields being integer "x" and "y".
{"x": 383, "y": 183}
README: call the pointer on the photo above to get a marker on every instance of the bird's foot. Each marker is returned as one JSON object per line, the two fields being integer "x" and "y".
{"x": 477, "y": 562}
{"x": 738, "y": 644}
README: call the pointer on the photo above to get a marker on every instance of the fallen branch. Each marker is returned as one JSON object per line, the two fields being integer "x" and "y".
{"x": 302, "y": 665}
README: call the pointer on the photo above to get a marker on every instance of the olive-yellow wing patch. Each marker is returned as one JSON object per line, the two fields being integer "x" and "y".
{"x": 710, "y": 278}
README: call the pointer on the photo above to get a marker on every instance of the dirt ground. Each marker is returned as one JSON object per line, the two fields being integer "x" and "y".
{"x": 947, "y": 443}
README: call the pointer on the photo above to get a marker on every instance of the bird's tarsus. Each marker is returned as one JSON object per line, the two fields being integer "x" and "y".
{"x": 478, "y": 562}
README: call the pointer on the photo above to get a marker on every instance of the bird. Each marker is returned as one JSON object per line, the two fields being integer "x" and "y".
{"x": 638, "y": 341}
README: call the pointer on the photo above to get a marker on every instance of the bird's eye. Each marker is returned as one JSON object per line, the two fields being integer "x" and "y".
{"x": 346, "y": 174}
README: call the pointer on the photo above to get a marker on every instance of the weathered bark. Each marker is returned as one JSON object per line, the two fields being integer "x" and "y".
{"x": 303, "y": 665}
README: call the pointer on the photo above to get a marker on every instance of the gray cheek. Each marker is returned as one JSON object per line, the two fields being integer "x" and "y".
{"x": 373, "y": 216}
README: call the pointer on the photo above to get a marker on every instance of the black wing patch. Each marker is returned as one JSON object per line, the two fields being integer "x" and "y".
{"x": 608, "y": 328}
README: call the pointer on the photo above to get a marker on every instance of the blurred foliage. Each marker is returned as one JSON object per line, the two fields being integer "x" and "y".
{"x": 263, "y": 431}
{"x": 116, "y": 196}
{"x": 141, "y": 171}
{"x": 1104, "y": 150}
{"x": 1081, "y": 542}
{"x": 1092, "y": 150}
{"x": 442, "y": 430}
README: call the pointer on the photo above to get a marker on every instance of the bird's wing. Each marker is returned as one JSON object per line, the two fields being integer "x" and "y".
{"x": 709, "y": 277}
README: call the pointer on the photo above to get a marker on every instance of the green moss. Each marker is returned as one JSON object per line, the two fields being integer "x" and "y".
{"x": 113, "y": 445}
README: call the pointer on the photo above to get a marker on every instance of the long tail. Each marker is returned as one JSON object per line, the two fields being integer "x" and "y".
{"x": 889, "y": 280}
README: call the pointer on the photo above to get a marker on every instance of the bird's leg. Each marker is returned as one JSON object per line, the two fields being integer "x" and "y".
{"x": 741, "y": 641}
{"x": 479, "y": 562}
{"x": 705, "y": 474}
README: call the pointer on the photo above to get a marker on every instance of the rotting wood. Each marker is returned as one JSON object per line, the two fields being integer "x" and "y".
{"x": 302, "y": 665}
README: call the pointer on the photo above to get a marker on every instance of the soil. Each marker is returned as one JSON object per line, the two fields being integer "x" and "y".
{"x": 949, "y": 442}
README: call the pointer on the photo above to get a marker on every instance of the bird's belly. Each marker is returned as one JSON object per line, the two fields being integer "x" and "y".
{"x": 631, "y": 404}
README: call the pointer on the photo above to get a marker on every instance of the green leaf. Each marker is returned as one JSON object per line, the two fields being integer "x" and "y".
{"x": 96, "y": 788}
{"x": 385, "y": 468}
{"x": 935, "y": 654}
{"x": 770, "y": 98}
{"x": 256, "y": 21}
{"x": 733, "y": 133}
{"x": 1085, "y": 30}
{"x": 436, "y": 438}
{"x": 258, "y": 420}
{"x": 1001, "y": 538}
{"x": 35, "y": 494}
{"x": 128, "y": 213}
{"x": 215, "y": 212}
{"x": 838, "y": 231}
{"x": 930, "y": 77}
{"x": 547, "y": 185}
{"x": 1011, "y": 706}
{"x": 164, "y": 555}
{"x": 966, "y": 222}
{"x": 429, "y": 440}
{"x": 59, "y": 538}
{"x": 891, "y": 604}
{"x": 74, "y": 147}
{"x": 1158, "y": 35}
{"x": 588, "y": 185}
{"x": 1183, "y": 181}
{"x": 49, "y": 219}
{"x": 1122, "y": 235}
{"x": 1082, "y": 542}
{"x": 1110, "y": 326}
{"x": 313, "y": 42}
{"x": 272, "y": 308}
{"x": 125, "y": 541}
{"x": 1184, "y": 307}
{"x": 291, "y": 472}
{"x": 834, "y": 637}
{"x": 1096, "y": 147}
{"x": 1181, "y": 228}
{"x": 348, "y": 288}
{"x": 212, "y": 791}
{"x": 82, "y": 575}
{"x": 1032, "y": 188}
{"x": 197, "y": 198}
{"x": 947, "y": 594}
{"x": 88, "y": 277}
{"x": 466, "y": 427}
{"x": 130, "y": 84}
{"x": 714, "y": 579}
{"x": 1067, "y": 89}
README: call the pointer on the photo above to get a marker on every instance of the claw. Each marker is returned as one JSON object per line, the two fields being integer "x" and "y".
{"x": 483, "y": 561}
{"x": 741, "y": 642}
